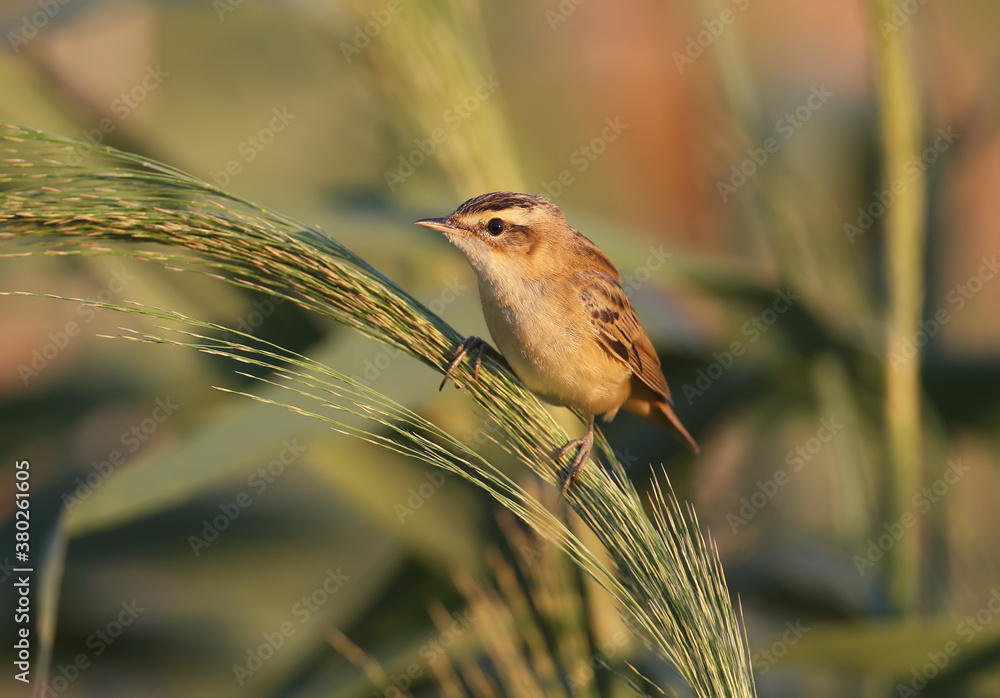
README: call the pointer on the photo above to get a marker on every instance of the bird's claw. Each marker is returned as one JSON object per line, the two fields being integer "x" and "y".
{"x": 468, "y": 344}
{"x": 585, "y": 444}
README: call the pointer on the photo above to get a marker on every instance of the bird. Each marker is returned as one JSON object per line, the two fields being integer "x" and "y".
{"x": 556, "y": 309}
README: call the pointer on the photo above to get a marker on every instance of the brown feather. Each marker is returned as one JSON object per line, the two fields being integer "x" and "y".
{"x": 622, "y": 336}
{"x": 619, "y": 330}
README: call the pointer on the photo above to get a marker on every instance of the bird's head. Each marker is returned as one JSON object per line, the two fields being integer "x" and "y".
{"x": 504, "y": 232}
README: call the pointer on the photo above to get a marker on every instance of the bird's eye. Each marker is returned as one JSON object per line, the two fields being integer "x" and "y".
{"x": 495, "y": 226}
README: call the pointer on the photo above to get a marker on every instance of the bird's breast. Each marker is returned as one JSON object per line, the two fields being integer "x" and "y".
{"x": 548, "y": 340}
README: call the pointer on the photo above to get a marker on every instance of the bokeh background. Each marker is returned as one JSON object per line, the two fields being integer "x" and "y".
{"x": 729, "y": 156}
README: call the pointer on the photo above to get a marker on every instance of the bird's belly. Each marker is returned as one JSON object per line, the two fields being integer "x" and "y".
{"x": 558, "y": 359}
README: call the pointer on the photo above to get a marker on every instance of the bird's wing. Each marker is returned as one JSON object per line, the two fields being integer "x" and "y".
{"x": 618, "y": 329}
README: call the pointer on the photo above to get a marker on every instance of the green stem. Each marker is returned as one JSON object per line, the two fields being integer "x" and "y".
{"x": 899, "y": 107}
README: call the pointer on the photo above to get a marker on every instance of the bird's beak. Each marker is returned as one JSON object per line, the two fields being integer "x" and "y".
{"x": 440, "y": 224}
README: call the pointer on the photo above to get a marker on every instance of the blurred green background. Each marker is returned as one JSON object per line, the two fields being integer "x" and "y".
{"x": 728, "y": 156}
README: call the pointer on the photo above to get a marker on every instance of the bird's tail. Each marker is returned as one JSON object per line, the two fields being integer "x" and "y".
{"x": 662, "y": 415}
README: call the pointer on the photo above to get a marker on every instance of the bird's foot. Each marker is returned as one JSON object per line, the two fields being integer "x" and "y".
{"x": 472, "y": 343}
{"x": 584, "y": 445}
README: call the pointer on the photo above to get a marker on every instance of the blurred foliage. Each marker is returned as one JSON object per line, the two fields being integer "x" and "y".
{"x": 667, "y": 581}
{"x": 792, "y": 514}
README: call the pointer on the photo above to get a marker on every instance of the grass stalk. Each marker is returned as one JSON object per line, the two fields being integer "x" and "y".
{"x": 666, "y": 575}
{"x": 901, "y": 128}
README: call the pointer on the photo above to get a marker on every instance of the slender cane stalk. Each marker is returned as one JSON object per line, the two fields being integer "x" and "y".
{"x": 899, "y": 107}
